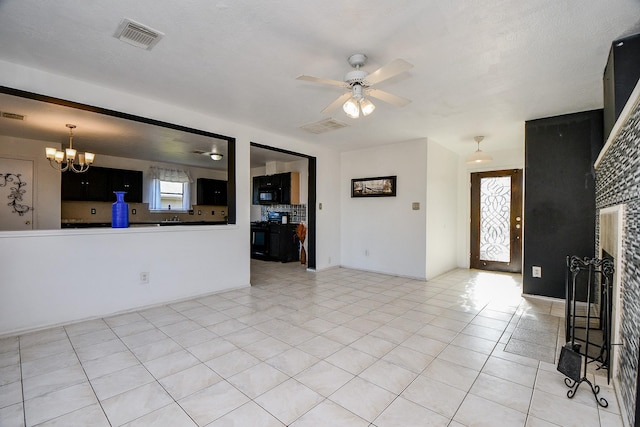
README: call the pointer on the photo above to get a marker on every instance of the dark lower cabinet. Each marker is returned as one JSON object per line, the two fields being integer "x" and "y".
{"x": 275, "y": 242}
{"x": 283, "y": 242}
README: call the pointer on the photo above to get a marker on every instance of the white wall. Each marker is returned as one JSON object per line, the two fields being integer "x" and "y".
{"x": 506, "y": 159}
{"x": 46, "y": 196}
{"x": 442, "y": 202}
{"x": 384, "y": 234}
{"x": 38, "y": 262}
{"x": 60, "y": 276}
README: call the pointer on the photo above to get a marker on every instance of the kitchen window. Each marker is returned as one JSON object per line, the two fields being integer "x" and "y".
{"x": 170, "y": 190}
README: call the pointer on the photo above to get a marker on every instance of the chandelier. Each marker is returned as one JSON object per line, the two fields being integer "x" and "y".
{"x": 66, "y": 160}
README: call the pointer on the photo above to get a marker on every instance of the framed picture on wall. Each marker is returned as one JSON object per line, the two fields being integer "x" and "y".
{"x": 382, "y": 186}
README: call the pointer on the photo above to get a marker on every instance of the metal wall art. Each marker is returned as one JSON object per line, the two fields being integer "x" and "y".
{"x": 15, "y": 192}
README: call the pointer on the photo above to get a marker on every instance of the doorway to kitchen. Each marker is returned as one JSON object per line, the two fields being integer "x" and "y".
{"x": 272, "y": 161}
{"x": 496, "y": 220}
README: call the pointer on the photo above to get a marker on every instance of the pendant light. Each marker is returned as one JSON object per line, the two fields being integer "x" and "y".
{"x": 479, "y": 156}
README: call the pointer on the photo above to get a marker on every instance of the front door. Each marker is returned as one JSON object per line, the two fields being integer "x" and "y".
{"x": 16, "y": 194}
{"x": 496, "y": 220}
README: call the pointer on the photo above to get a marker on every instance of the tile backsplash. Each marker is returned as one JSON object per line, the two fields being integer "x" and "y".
{"x": 296, "y": 213}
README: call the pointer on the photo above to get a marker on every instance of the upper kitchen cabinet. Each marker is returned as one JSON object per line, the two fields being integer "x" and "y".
{"x": 281, "y": 188}
{"x": 212, "y": 192}
{"x": 98, "y": 185}
{"x": 128, "y": 181}
{"x": 290, "y": 183}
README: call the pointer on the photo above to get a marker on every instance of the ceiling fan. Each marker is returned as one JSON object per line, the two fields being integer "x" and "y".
{"x": 214, "y": 155}
{"x": 360, "y": 84}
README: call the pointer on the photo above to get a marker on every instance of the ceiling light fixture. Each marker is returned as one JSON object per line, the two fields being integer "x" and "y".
{"x": 358, "y": 103}
{"x": 68, "y": 156}
{"x": 479, "y": 156}
{"x": 216, "y": 156}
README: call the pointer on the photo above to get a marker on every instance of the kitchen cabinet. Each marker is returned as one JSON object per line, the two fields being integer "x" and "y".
{"x": 290, "y": 184}
{"x": 283, "y": 242}
{"x": 212, "y": 192}
{"x": 98, "y": 185}
{"x": 287, "y": 185}
{"x": 126, "y": 180}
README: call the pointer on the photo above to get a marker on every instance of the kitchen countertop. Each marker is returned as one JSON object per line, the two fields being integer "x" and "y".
{"x": 138, "y": 224}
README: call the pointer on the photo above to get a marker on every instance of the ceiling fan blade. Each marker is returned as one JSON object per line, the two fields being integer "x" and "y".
{"x": 389, "y": 98}
{"x": 393, "y": 68}
{"x": 337, "y": 103}
{"x": 322, "y": 81}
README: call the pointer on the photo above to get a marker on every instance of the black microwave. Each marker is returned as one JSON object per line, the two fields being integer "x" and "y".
{"x": 268, "y": 196}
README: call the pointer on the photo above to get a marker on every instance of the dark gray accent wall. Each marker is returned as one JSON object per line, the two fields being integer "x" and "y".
{"x": 559, "y": 207}
{"x": 618, "y": 182}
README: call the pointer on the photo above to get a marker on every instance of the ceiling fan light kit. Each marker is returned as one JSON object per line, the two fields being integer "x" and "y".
{"x": 479, "y": 156}
{"x": 359, "y": 82}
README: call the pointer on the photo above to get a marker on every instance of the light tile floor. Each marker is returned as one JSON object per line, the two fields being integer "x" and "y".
{"x": 334, "y": 348}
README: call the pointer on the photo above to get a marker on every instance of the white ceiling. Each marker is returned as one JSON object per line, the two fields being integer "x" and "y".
{"x": 480, "y": 67}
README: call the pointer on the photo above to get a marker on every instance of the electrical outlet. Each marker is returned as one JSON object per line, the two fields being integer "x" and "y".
{"x": 536, "y": 271}
{"x": 133, "y": 211}
{"x": 415, "y": 206}
{"x": 93, "y": 211}
{"x": 144, "y": 277}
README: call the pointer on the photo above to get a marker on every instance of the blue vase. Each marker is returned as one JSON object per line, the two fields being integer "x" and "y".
{"x": 120, "y": 211}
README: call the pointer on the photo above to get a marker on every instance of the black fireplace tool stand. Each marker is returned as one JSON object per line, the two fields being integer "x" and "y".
{"x": 587, "y": 311}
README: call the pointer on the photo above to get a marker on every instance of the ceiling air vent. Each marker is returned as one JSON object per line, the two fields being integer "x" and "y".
{"x": 323, "y": 126}
{"x": 137, "y": 35}
{"x": 13, "y": 116}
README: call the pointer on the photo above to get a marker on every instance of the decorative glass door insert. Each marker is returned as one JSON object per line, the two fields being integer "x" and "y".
{"x": 496, "y": 220}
